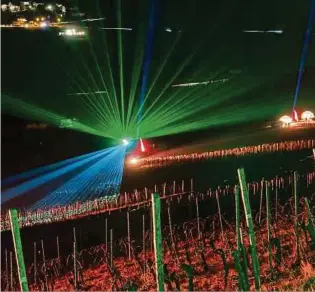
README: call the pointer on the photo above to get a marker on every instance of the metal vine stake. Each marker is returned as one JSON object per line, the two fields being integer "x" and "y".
{"x": 250, "y": 225}
{"x": 13, "y": 215}
{"x": 296, "y": 203}
{"x": 158, "y": 242}
{"x": 268, "y": 222}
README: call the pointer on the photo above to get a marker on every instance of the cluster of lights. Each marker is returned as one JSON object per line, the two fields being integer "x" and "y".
{"x": 38, "y": 22}
{"x": 43, "y": 24}
{"x": 71, "y": 32}
{"x": 32, "y": 6}
{"x": 306, "y": 116}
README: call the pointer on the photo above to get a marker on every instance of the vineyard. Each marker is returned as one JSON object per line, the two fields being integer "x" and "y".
{"x": 266, "y": 240}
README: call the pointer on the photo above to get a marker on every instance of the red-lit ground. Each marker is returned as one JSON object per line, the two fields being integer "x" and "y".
{"x": 208, "y": 275}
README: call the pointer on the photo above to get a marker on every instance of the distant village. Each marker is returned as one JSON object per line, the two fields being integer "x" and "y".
{"x": 29, "y": 14}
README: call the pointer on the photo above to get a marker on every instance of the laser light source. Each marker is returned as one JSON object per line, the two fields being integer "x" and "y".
{"x": 134, "y": 161}
{"x": 125, "y": 141}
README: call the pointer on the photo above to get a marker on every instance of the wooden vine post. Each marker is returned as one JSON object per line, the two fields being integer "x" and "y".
{"x": 75, "y": 272}
{"x": 237, "y": 217}
{"x": 13, "y": 214}
{"x": 6, "y": 269}
{"x": 143, "y": 245}
{"x": 220, "y": 216}
{"x": 198, "y": 217}
{"x": 268, "y": 222}
{"x": 111, "y": 246}
{"x": 158, "y": 243}
{"x": 296, "y": 203}
{"x": 250, "y": 225}
{"x": 44, "y": 265}
{"x": 128, "y": 235}
{"x": 35, "y": 264}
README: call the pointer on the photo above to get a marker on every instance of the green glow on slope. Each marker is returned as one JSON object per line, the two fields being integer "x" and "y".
{"x": 29, "y": 111}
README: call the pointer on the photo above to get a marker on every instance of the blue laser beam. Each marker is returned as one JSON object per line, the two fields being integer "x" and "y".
{"x": 78, "y": 187}
{"x": 27, "y": 186}
{"x": 98, "y": 180}
{"x": 43, "y": 169}
{"x": 307, "y": 37}
{"x": 147, "y": 60}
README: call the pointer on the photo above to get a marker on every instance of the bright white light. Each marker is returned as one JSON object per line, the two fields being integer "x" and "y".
{"x": 43, "y": 24}
{"x": 285, "y": 119}
{"x": 72, "y": 32}
{"x": 307, "y": 115}
{"x": 201, "y": 83}
{"x": 134, "y": 161}
{"x": 142, "y": 146}
{"x": 69, "y": 32}
{"x": 275, "y": 31}
{"x": 168, "y": 29}
{"x": 116, "y": 28}
{"x": 49, "y": 7}
{"x": 125, "y": 142}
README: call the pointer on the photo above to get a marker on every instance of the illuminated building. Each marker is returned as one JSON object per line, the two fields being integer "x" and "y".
{"x": 34, "y": 6}
{"x": 4, "y": 7}
{"x": 307, "y": 116}
{"x": 10, "y": 7}
{"x": 26, "y": 5}
{"x": 307, "y": 120}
